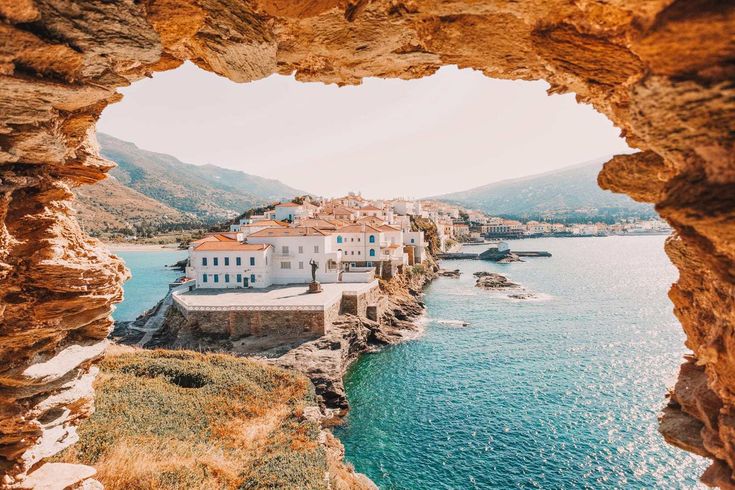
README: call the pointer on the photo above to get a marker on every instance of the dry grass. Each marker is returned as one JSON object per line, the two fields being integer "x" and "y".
{"x": 183, "y": 420}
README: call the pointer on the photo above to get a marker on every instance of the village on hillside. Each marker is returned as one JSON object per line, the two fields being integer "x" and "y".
{"x": 354, "y": 239}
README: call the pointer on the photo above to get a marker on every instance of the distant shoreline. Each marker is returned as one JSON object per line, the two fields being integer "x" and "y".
{"x": 140, "y": 247}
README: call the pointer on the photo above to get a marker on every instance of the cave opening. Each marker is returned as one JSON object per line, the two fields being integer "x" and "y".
{"x": 661, "y": 71}
{"x": 149, "y": 110}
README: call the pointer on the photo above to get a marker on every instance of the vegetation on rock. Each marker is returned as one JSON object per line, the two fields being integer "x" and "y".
{"x": 179, "y": 419}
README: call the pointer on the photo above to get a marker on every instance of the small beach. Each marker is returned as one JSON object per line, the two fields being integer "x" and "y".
{"x": 140, "y": 247}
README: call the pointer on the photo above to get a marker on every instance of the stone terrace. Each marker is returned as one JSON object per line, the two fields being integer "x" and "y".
{"x": 291, "y": 297}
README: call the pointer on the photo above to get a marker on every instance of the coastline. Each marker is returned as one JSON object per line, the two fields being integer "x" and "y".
{"x": 325, "y": 360}
{"x": 140, "y": 247}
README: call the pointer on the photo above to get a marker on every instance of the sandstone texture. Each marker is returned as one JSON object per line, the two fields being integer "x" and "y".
{"x": 661, "y": 70}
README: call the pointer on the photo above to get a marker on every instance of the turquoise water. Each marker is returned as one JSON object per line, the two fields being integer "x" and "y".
{"x": 149, "y": 282}
{"x": 557, "y": 393}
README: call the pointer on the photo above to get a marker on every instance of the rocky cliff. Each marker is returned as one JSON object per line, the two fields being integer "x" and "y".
{"x": 661, "y": 70}
{"x": 325, "y": 359}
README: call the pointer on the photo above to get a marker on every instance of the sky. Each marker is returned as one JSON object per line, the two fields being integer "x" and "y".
{"x": 385, "y": 138}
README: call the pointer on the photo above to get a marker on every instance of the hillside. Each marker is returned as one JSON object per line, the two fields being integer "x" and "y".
{"x": 570, "y": 193}
{"x": 109, "y": 206}
{"x": 181, "y": 419}
{"x": 149, "y": 190}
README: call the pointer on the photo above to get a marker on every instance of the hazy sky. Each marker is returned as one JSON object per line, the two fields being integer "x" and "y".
{"x": 449, "y": 132}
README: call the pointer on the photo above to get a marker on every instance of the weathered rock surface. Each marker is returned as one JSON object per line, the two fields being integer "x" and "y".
{"x": 454, "y": 274}
{"x": 523, "y": 296}
{"x": 493, "y": 281}
{"x": 661, "y": 70}
{"x": 511, "y": 257}
{"x": 326, "y": 359}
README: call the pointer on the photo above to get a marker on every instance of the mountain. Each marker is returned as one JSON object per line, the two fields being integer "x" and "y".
{"x": 109, "y": 206}
{"x": 567, "y": 194}
{"x": 156, "y": 189}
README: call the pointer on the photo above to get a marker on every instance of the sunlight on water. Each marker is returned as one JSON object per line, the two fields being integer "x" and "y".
{"x": 558, "y": 393}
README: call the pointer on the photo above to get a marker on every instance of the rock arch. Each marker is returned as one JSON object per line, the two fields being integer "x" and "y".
{"x": 662, "y": 70}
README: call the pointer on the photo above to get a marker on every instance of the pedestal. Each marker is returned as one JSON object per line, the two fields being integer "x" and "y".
{"x": 315, "y": 287}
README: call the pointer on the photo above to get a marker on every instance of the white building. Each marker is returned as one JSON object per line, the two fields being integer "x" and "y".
{"x": 216, "y": 263}
{"x": 359, "y": 242}
{"x": 249, "y": 228}
{"x": 294, "y": 248}
{"x": 406, "y": 207}
{"x": 290, "y": 211}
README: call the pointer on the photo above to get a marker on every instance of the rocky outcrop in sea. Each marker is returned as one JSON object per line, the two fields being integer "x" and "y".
{"x": 494, "y": 281}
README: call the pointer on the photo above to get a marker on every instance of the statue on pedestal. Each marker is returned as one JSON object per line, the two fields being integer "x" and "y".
{"x": 314, "y": 266}
{"x": 314, "y": 286}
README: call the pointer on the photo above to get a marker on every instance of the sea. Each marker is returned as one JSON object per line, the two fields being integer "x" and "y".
{"x": 149, "y": 281}
{"x": 560, "y": 391}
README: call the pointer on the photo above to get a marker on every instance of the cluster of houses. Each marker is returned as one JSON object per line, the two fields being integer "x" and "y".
{"x": 457, "y": 223}
{"x": 503, "y": 228}
{"x": 347, "y": 239}
{"x": 354, "y": 239}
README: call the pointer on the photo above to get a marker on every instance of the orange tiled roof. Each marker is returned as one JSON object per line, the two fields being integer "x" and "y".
{"x": 217, "y": 237}
{"x": 319, "y": 223}
{"x": 288, "y": 205}
{"x": 231, "y": 247}
{"x": 372, "y": 220}
{"x": 342, "y": 210}
{"x": 361, "y": 228}
{"x": 267, "y": 222}
{"x": 389, "y": 228}
{"x": 282, "y": 232}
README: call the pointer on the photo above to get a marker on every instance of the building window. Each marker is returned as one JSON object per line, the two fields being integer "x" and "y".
{"x": 204, "y": 261}
{"x": 352, "y": 239}
{"x": 215, "y": 261}
{"x": 316, "y": 249}
{"x": 252, "y": 278}
{"x": 252, "y": 261}
{"x": 216, "y": 278}
{"x": 372, "y": 252}
{"x": 227, "y": 278}
{"x": 239, "y": 278}
{"x": 227, "y": 261}
{"x": 301, "y": 249}
{"x": 372, "y": 238}
{"x": 358, "y": 239}
{"x": 284, "y": 249}
{"x": 412, "y": 240}
{"x": 238, "y": 261}
{"x": 204, "y": 278}
{"x": 285, "y": 265}
{"x": 301, "y": 265}
{"x": 358, "y": 252}
{"x": 339, "y": 238}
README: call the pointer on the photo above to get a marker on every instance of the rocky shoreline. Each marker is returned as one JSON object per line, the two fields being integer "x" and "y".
{"x": 324, "y": 360}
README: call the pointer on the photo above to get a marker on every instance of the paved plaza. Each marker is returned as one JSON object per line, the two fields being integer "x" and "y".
{"x": 291, "y": 296}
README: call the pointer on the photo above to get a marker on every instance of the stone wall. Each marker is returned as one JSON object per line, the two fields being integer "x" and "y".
{"x": 357, "y": 303}
{"x": 661, "y": 70}
{"x": 235, "y": 324}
